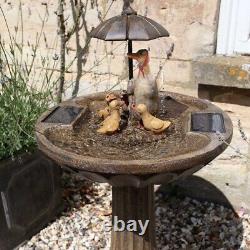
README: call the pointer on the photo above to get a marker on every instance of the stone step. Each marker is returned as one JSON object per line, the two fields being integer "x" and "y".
{"x": 222, "y": 71}
{"x": 223, "y": 79}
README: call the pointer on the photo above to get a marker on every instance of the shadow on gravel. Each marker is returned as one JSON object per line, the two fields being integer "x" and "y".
{"x": 184, "y": 223}
{"x": 77, "y": 192}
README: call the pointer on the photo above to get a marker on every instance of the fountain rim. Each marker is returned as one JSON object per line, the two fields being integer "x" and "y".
{"x": 141, "y": 167}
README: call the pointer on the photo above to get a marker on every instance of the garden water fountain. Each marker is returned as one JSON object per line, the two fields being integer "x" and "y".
{"x": 133, "y": 159}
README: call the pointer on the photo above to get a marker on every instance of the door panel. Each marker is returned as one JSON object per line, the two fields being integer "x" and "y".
{"x": 242, "y": 43}
{"x": 234, "y": 27}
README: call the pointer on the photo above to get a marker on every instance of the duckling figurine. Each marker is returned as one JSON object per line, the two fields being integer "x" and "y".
{"x": 149, "y": 121}
{"x": 104, "y": 113}
{"x": 145, "y": 86}
{"x": 110, "y": 97}
{"x": 122, "y": 99}
{"x": 111, "y": 124}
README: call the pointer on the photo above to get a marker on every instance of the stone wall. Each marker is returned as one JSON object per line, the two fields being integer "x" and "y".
{"x": 192, "y": 25}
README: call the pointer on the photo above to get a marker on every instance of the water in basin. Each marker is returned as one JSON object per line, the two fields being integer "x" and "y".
{"x": 132, "y": 143}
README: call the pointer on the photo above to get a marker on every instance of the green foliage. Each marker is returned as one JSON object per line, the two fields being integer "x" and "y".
{"x": 22, "y": 98}
{"x": 19, "y": 109}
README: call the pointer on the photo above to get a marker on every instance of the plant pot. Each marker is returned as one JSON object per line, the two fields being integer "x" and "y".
{"x": 30, "y": 197}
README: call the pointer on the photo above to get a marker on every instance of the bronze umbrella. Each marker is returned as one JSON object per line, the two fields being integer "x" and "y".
{"x": 129, "y": 27}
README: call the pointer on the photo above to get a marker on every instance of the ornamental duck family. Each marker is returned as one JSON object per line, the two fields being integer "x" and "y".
{"x": 145, "y": 101}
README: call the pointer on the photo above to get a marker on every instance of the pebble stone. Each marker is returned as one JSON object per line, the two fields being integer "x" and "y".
{"x": 180, "y": 223}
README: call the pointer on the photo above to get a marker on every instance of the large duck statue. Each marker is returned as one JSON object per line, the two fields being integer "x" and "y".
{"x": 145, "y": 88}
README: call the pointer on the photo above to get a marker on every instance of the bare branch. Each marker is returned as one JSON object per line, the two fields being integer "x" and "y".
{"x": 77, "y": 12}
{"x": 61, "y": 25}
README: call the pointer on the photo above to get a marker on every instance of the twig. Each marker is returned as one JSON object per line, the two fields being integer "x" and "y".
{"x": 236, "y": 150}
{"x": 61, "y": 24}
{"x": 242, "y": 132}
{"x": 80, "y": 51}
{"x": 169, "y": 54}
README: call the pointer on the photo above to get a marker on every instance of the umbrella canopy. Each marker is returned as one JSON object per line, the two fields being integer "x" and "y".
{"x": 129, "y": 26}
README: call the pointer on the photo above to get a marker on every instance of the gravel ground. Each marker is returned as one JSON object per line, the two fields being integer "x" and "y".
{"x": 181, "y": 223}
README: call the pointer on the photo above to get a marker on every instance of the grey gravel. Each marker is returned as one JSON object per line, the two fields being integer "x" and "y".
{"x": 181, "y": 223}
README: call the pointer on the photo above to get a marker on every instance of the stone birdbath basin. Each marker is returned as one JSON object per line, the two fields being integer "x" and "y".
{"x": 133, "y": 160}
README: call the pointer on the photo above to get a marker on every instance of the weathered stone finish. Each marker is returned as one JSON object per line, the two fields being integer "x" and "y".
{"x": 129, "y": 203}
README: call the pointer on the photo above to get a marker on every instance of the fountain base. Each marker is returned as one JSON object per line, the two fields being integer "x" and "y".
{"x": 129, "y": 203}
{"x": 133, "y": 160}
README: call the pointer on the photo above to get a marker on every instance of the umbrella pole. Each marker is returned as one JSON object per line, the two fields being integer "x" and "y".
{"x": 130, "y": 61}
{"x": 130, "y": 87}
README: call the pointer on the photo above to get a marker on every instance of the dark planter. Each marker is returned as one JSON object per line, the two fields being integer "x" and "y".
{"x": 30, "y": 197}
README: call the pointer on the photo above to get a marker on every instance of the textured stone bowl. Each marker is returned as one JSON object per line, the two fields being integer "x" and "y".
{"x": 199, "y": 118}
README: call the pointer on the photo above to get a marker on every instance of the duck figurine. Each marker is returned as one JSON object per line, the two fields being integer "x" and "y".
{"x": 110, "y": 97}
{"x": 149, "y": 121}
{"x": 145, "y": 88}
{"x": 112, "y": 123}
{"x": 104, "y": 113}
{"x": 122, "y": 99}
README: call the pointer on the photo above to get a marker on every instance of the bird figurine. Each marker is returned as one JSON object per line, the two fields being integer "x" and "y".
{"x": 104, "y": 113}
{"x": 111, "y": 124}
{"x": 110, "y": 97}
{"x": 149, "y": 121}
{"x": 145, "y": 88}
{"x": 122, "y": 99}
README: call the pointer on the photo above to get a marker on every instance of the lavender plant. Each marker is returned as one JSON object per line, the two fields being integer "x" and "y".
{"x": 21, "y": 100}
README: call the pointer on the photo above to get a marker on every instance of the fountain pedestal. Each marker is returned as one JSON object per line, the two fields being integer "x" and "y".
{"x": 134, "y": 160}
{"x": 129, "y": 203}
